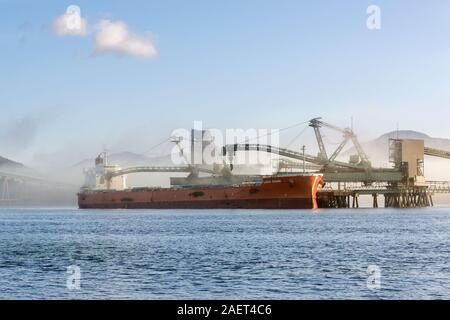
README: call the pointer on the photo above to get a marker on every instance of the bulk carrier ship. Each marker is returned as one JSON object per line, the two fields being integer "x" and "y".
{"x": 105, "y": 188}
{"x": 272, "y": 192}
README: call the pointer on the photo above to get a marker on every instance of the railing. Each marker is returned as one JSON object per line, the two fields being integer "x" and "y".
{"x": 439, "y": 186}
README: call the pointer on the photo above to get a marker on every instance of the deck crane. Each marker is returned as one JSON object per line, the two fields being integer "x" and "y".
{"x": 348, "y": 134}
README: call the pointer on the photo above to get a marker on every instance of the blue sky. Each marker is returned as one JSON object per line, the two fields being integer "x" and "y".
{"x": 231, "y": 64}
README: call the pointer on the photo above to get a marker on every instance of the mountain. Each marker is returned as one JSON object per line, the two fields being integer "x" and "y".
{"x": 14, "y": 167}
{"x": 432, "y": 142}
{"x": 378, "y": 148}
{"x": 404, "y": 134}
{"x": 378, "y": 152}
{"x": 7, "y": 164}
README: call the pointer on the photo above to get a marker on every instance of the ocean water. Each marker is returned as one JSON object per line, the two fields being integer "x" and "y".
{"x": 235, "y": 254}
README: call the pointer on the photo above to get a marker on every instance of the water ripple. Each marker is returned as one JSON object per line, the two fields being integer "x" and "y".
{"x": 154, "y": 254}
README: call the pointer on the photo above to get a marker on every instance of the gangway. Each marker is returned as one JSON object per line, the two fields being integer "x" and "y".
{"x": 437, "y": 153}
{"x": 189, "y": 169}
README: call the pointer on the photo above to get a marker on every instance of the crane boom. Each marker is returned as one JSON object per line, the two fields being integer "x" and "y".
{"x": 437, "y": 153}
{"x": 230, "y": 149}
{"x": 316, "y": 123}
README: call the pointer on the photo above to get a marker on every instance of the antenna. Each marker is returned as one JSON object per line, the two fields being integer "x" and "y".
{"x": 303, "y": 150}
{"x": 105, "y": 154}
{"x": 397, "y": 131}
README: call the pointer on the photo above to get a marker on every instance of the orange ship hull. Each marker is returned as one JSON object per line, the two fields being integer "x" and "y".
{"x": 285, "y": 192}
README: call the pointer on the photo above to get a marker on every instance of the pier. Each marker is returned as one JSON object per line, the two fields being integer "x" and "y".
{"x": 411, "y": 197}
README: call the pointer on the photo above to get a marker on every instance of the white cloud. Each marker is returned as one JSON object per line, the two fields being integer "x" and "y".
{"x": 70, "y": 24}
{"x": 115, "y": 37}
